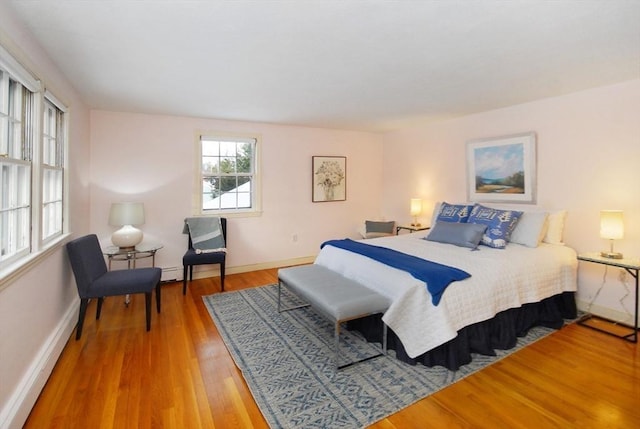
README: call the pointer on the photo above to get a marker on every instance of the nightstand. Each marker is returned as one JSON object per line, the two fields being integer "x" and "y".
{"x": 630, "y": 266}
{"x": 411, "y": 228}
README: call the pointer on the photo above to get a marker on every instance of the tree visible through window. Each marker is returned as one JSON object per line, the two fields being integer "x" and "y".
{"x": 228, "y": 174}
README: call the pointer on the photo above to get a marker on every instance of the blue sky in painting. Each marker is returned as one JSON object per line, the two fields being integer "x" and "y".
{"x": 496, "y": 162}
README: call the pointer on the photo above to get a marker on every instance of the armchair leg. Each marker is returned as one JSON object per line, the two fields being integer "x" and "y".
{"x": 147, "y": 301}
{"x": 222, "y": 277}
{"x": 99, "y": 307}
{"x": 83, "y": 310}
{"x": 184, "y": 280}
{"x": 158, "y": 297}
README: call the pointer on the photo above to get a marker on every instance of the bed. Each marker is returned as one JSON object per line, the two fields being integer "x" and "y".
{"x": 510, "y": 290}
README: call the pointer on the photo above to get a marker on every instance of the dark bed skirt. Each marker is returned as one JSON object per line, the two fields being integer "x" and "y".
{"x": 499, "y": 333}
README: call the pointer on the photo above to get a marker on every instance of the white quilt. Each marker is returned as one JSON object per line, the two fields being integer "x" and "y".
{"x": 500, "y": 279}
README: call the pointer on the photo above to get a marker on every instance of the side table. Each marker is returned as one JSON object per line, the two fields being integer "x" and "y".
{"x": 141, "y": 251}
{"x": 411, "y": 228}
{"x": 630, "y": 266}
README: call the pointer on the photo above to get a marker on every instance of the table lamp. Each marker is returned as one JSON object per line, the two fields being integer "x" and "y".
{"x": 416, "y": 209}
{"x": 611, "y": 228}
{"x": 126, "y": 215}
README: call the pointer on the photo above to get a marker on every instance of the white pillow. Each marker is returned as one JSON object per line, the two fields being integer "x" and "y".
{"x": 530, "y": 229}
{"x": 556, "y": 227}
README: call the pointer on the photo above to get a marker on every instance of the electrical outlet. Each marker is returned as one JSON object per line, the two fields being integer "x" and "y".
{"x": 294, "y": 238}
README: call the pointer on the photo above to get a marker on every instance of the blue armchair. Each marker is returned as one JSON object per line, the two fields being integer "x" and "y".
{"x": 95, "y": 281}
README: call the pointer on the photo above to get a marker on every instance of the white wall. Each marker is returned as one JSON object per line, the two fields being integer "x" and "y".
{"x": 152, "y": 158}
{"x": 38, "y": 308}
{"x": 588, "y": 146}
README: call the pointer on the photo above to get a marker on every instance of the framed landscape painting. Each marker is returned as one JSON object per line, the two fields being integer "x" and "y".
{"x": 329, "y": 178}
{"x": 502, "y": 169}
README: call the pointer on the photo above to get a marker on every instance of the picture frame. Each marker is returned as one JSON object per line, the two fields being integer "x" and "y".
{"x": 329, "y": 178}
{"x": 502, "y": 169}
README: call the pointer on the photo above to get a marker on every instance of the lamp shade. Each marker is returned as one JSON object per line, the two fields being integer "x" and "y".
{"x": 126, "y": 214}
{"x": 611, "y": 224}
{"x": 416, "y": 206}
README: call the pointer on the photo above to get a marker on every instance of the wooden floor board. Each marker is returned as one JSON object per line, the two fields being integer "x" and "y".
{"x": 180, "y": 375}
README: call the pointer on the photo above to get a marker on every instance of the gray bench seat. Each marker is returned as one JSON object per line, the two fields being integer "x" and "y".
{"x": 337, "y": 298}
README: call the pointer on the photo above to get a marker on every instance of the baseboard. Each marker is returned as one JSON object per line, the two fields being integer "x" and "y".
{"x": 215, "y": 270}
{"x": 16, "y": 410}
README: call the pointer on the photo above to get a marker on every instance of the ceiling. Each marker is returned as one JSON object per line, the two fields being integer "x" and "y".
{"x": 360, "y": 65}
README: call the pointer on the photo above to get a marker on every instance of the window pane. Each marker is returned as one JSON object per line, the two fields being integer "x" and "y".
{"x": 52, "y": 171}
{"x": 244, "y": 158}
{"x": 210, "y": 148}
{"x": 227, "y": 168}
{"x": 15, "y": 209}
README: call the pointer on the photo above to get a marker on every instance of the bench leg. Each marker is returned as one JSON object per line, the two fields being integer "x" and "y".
{"x": 280, "y": 309}
{"x": 337, "y": 347}
{"x": 384, "y": 338}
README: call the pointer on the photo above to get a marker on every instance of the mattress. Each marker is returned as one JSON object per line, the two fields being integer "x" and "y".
{"x": 500, "y": 279}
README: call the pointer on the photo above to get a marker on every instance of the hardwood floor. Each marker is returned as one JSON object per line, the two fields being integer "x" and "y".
{"x": 180, "y": 375}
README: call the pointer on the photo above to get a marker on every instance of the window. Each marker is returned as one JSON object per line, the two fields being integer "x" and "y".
{"x": 32, "y": 165}
{"x": 16, "y": 132}
{"x": 228, "y": 174}
{"x": 52, "y": 170}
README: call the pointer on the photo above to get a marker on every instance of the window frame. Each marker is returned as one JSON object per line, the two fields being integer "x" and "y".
{"x": 50, "y": 102}
{"x": 38, "y": 248}
{"x": 256, "y": 202}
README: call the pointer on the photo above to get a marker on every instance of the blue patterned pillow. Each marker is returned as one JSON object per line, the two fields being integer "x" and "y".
{"x": 500, "y": 224}
{"x": 458, "y": 213}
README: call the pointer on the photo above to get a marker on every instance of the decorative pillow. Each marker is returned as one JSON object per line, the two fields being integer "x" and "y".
{"x": 458, "y": 213}
{"x": 435, "y": 213}
{"x": 530, "y": 229}
{"x": 375, "y": 229}
{"x": 460, "y": 234}
{"x": 556, "y": 227}
{"x": 500, "y": 224}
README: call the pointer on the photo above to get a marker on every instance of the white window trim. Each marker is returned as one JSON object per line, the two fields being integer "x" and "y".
{"x": 197, "y": 197}
{"x": 18, "y": 72}
{"x": 19, "y": 264}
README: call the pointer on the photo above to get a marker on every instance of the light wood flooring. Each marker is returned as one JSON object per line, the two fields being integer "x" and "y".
{"x": 180, "y": 375}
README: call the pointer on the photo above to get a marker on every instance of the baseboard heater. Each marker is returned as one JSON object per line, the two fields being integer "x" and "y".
{"x": 171, "y": 274}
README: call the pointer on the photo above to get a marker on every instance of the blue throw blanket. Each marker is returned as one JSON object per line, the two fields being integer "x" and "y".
{"x": 436, "y": 276}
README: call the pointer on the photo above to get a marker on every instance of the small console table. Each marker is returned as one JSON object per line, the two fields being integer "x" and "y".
{"x": 630, "y": 266}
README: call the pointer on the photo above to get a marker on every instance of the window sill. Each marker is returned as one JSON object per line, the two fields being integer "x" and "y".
{"x": 16, "y": 270}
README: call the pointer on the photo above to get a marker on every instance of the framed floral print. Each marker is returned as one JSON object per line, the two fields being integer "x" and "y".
{"x": 329, "y": 179}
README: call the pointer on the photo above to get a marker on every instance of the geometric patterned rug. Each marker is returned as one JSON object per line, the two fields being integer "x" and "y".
{"x": 287, "y": 360}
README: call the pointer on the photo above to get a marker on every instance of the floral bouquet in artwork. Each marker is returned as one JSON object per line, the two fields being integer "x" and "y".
{"x": 329, "y": 175}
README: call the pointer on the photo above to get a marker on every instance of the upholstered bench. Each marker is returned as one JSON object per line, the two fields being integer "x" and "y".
{"x": 337, "y": 298}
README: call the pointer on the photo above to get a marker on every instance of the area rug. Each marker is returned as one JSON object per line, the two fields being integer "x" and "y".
{"x": 287, "y": 361}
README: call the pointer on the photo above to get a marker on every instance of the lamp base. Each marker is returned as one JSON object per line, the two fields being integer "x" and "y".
{"x": 417, "y": 224}
{"x": 611, "y": 255}
{"x": 127, "y": 237}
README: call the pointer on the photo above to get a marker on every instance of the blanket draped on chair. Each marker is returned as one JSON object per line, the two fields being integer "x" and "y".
{"x": 206, "y": 234}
